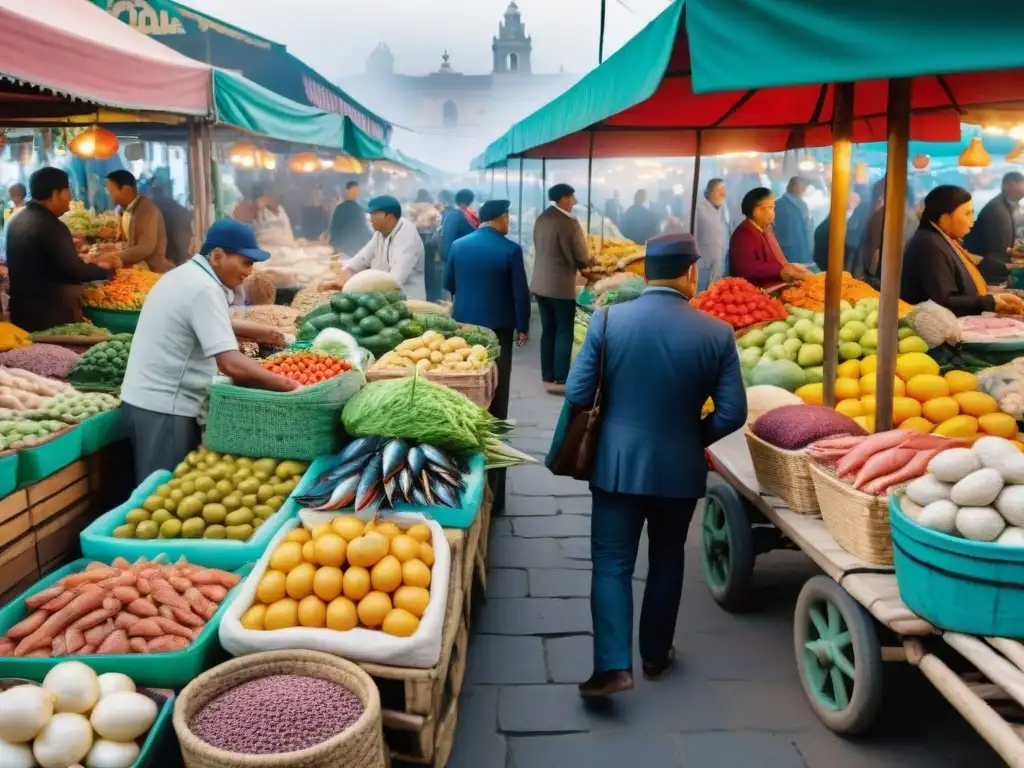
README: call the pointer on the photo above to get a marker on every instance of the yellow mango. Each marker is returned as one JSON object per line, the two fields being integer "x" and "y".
{"x": 961, "y": 381}
{"x": 904, "y": 408}
{"x": 847, "y": 388}
{"x": 915, "y": 364}
{"x": 959, "y": 426}
{"x": 998, "y": 424}
{"x": 811, "y": 394}
{"x": 976, "y": 403}
{"x": 850, "y": 407}
{"x": 851, "y": 369}
{"x": 940, "y": 409}
{"x": 926, "y": 386}
{"x": 868, "y": 365}
{"x": 918, "y": 424}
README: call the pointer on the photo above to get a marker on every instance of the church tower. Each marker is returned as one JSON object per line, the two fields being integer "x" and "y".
{"x": 512, "y": 46}
{"x": 381, "y": 61}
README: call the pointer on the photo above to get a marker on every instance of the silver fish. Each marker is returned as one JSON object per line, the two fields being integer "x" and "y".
{"x": 374, "y": 497}
{"x": 371, "y": 508}
{"x": 390, "y": 486}
{"x": 329, "y": 479}
{"x": 406, "y": 481}
{"x": 445, "y": 494}
{"x": 420, "y": 499}
{"x": 369, "y": 482}
{"x": 427, "y": 491}
{"x": 313, "y": 499}
{"x": 394, "y": 455}
{"x": 359, "y": 447}
{"x": 343, "y": 495}
{"x": 416, "y": 460}
{"x": 438, "y": 457}
{"x": 451, "y": 478}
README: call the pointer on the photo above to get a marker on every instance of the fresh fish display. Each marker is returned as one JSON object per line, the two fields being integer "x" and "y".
{"x": 372, "y": 471}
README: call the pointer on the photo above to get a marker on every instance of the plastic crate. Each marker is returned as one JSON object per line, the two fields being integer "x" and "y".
{"x": 8, "y": 474}
{"x": 156, "y": 670}
{"x": 52, "y": 456}
{"x": 101, "y": 430}
{"x": 98, "y": 542}
{"x": 973, "y": 587}
{"x": 152, "y": 753}
{"x": 114, "y": 320}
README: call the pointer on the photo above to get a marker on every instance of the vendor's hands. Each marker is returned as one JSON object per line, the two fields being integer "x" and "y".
{"x": 108, "y": 260}
{"x": 1009, "y": 304}
{"x": 793, "y": 273}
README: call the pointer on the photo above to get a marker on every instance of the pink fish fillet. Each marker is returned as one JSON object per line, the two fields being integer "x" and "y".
{"x": 884, "y": 463}
{"x": 873, "y": 444}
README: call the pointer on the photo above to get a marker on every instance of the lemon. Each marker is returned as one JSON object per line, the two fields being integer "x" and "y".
{"x": 327, "y": 583}
{"x": 412, "y": 599}
{"x": 329, "y": 549}
{"x": 415, "y": 573}
{"x": 282, "y": 615}
{"x": 312, "y": 612}
{"x": 271, "y": 587}
{"x": 341, "y": 615}
{"x": 300, "y": 581}
{"x": 356, "y": 582}
{"x": 287, "y": 555}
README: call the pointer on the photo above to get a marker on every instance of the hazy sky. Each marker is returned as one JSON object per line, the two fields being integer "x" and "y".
{"x": 335, "y": 36}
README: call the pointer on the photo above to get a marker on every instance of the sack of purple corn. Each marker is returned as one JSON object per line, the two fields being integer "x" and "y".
{"x": 296, "y": 708}
{"x": 47, "y": 360}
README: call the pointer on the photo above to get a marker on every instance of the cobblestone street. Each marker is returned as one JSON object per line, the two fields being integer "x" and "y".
{"x": 734, "y": 699}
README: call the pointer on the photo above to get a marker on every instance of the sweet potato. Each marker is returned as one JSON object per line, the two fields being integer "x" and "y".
{"x": 126, "y": 594}
{"x": 867, "y": 448}
{"x": 95, "y": 575}
{"x": 60, "y": 601}
{"x": 95, "y": 617}
{"x": 214, "y": 576}
{"x": 142, "y": 584}
{"x": 121, "y": 564}
{"x": 138, "y": 644}
{"x": 883, "y": 463}
{"x": 142, "y": 608}
{"x": 187, "y": 618}
{"x": 125, "y": 620}
{"x": 28, "y": 626}
{"x": 81, "y": 606}
{"x": 167, "y": 644}
{"x": 171, "y": 627}
{"x": 6, "y": 647}
{"x": 116, "y": 642}
{"x": 59, "y": 647}
{"x": 165, "y": 594}
{"x": 909, "y": 471}
{"x": 99, "y": 633}
{"x": 74, "y": 640}
{"x": 199, "y": 604}
{"x": 42, "y": 653}
{"x": 179, "y": 583}
{"x": 39, "y": 599}
{"x": 146, "y": 628}
{"x": 87, "y": 650}
{"x": 213, "y": 592}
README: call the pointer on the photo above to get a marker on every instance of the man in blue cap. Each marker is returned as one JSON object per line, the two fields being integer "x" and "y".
{"x": 396, "y": 248}
{"x": 486, "y": 275}
{"x": 458, "y": 222}
{"x": 662, "y": 360}
{"x": 183, "y": 337}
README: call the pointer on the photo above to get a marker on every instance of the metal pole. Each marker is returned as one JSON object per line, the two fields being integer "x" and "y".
{"x": 696, "y": 184}
{"x": 590, "y": 182}
{"x": 521, "y": 161}
{"x": 898, "y": 120}
{"x": 842, "y": 149}
{"x": 600, "y": 40}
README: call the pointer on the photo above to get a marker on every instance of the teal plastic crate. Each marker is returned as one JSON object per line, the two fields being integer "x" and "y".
{"x": 152, "y": 753}
{"x": 155, "y": 670}
{"x": 101, "y": 430}
{"x": 958, "y": 585}
{"x": 97, "y": 541}
{"x": 52, "y": 456}
{"x": 114, "y": 320}
{"x": 463, "y": 517}
{"x": 8, "y": 474}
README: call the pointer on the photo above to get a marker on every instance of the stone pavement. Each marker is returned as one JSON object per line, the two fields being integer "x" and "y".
{"x": 733, "y": 701}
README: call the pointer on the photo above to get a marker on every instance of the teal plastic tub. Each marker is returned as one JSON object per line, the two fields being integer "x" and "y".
{"x": 52, "y": 456}
{"x": 153, "y": 752}
{"x": 463, "y": 517}
{"x": 8, "y": 474}
{"x": 101, "y": 430}
{"x": 114, "y": 320}
{"x": 958, "y": 585}
{"x": 98, "y": 542}
{"x": 156, "y": 670}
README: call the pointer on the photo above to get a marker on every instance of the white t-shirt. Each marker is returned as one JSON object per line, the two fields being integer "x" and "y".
{"x": 400, "y": 254}
{"x": 184, "y": 325}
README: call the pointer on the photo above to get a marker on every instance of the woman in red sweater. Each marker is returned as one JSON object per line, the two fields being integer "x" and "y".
{"x": 754, "y": 253}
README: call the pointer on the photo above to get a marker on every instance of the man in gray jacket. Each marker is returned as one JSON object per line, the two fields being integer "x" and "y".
{"x": 560, "y": 251}
{"x": 712, "y": 234}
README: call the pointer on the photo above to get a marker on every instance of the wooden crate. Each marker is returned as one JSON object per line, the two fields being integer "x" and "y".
{"x": 420, "y": 706}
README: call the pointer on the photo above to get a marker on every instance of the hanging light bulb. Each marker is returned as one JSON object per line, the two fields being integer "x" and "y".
{"x": 920, "y": 162}
{"x": 94, "y": 143}
{"x": 1016, "y": 154}
{"x": 304, "y": 162}
{"x": 243, "y": 154}
{"x": 344, "y": 164}
{"x": 975, "y": 156}
{"x": 265, "y": 160}
{"x": 807, "y": 163}
{"x": 860, "y": 174}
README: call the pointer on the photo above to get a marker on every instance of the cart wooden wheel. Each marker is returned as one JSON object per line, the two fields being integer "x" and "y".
{"x": 838, "y": 655}
{"x": 727, "y": 547}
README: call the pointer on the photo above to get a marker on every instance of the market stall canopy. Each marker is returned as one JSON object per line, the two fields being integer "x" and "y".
{"x": 652, "y": 96}
{"x": 362, "y": 146}
{"x": 73, "y": 49}
{"x": 265, "y": 62}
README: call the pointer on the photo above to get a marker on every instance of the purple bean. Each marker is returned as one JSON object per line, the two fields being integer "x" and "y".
{"x": 47, "y": 360}
{"x": 276, "y": 714}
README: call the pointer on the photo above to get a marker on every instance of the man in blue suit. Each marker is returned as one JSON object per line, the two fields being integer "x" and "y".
{"x": 457, "y": 222}
{"x": 663, "y": 360}
{"x": 793, "y": 227}
{"x": 485, "y": 273}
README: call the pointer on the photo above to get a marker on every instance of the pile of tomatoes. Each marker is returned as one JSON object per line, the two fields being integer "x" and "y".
{"x": 739, "y": 303}
{"x": 307, "y": 366}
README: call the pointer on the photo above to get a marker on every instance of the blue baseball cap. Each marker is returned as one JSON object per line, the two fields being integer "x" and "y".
{"x": 233, "y": 237}
{"x": 386, "y": 204}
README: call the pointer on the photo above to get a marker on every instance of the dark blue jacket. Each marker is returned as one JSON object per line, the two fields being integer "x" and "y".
{"x": 663, "y": 360}
{"x": 454, "y": 225}
{"x": 485, "y": 273}
{"x": 793, "y": 229}
{"x": 639, "y": 224}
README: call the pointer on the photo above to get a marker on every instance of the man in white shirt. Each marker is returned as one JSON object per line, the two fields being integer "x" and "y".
{"x": 396, "y": 248}
{"x": 184, "y": 335}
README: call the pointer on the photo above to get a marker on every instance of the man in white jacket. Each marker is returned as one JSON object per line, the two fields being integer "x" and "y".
{"x": 395, "y": 248}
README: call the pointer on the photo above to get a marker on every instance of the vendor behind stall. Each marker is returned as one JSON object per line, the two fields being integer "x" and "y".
{"x": 183, "y": 337}
{"x": 142, "y": 224}
{"x": 754, "y": 253}
{"x": 936, "y": 267}
{"x": 42, "y": 259}
{"x": 995, "y": 231}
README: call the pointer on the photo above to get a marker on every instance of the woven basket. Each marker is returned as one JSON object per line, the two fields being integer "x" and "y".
{"x": 858, "y": 521}
{"x": 361, "y": 745}
{"x": 784, "y": 474}
{"x": 303, "y": 425}
{"x": 478, "y": 386}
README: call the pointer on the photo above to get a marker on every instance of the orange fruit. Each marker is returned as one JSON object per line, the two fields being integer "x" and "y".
{"x": 940, "y": 409}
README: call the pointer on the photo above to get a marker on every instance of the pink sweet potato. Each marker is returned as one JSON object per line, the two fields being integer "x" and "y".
{"x": 6, "y": 647}
{"x": 883, "y": 463}
{"x": 172, "y": 627}
{"x": 199, "y": 604}
{"x": 39, "y": 599}
{"x": 187, "y": 618}
{"x": 872, "y": 445}
{"x": 167, "y": 644}
{"x": 42, "y": 653}
{"x": 213, "y": 592}
{"x": 74, "y": 640}
{"x": 59, "y": 647}
{"x": 164, "y": 593}
{"x": 146, "y": 628}
{"x": 87, "y": 650}
{"x": 142, "y": 608}
{"x": 81, "y": 606}
{"x": 179, "y": 583}
{"x": 121, "y": 564}
{"x": 910, "y": 471}
{"x": 126, "y": 594}
{"x": 28, "y": 626}
{"x": 116, "y": 642}
{"x": 142, "y": 584}
{"x": 95, "y": 617}
{"x": 99, "y": 633}
{"x": 125, "y": 620}
{"x": 94, "y": 575}
{"x": 138, "y": 644}
{"x": 60, "y": 601}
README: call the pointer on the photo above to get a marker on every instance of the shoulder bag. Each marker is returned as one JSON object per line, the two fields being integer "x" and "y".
{"x": 575, "y": 456}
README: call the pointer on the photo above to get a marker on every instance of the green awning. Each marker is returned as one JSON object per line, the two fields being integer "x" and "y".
{"x": 362, "y": 146}
{"x": 254, "y": 109}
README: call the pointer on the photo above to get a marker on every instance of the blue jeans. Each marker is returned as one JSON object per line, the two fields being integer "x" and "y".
{"x": 616, "y": 524}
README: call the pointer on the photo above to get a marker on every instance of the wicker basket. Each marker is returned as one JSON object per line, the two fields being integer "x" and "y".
{"x": 361, "y": 745}
{"x": 784, "y": 474}
{"x": 478, "y": 386}
{"x": 858, "y": 521}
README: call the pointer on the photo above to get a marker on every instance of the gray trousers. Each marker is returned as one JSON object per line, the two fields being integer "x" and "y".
{"x": 159, "y": 440}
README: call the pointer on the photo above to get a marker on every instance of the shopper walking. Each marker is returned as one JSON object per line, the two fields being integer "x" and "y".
{"x": 712, "y": 234}
{"x": 142, "y": 224}
{"x": 486, "y": 276}
{"x": 458, "y": 221}
{"x": 662, "y": 360}
{"x": 560, "y": 251}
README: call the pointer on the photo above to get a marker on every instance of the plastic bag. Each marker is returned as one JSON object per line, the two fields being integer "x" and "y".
{"x": 935, "y": 324}
{"x": 1006, "y": 384}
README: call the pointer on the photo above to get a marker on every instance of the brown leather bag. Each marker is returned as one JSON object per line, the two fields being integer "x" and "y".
{"x": 575, "y": 456}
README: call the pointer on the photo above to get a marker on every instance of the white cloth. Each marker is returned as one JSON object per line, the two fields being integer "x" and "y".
{"x": 564, "y": 212}
{"x": 400, "y": 254}
{"x": 274, "y": 228}
{"x": 184, "y": 325}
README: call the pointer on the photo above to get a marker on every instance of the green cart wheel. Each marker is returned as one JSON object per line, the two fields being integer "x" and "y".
{"x": 727, "y": 547}
{"x": 839, "y": 657}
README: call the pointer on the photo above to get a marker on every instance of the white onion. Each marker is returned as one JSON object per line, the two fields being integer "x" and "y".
{"x": 16, "y": 755}
{"x": 74, "y": 685}
{"x": 115, "y": 682}
{"x": 24, "y": 710}
{"x": 64, "y": 741}
{"x": 123, "y": 716}
{"x": 112, "y": 754}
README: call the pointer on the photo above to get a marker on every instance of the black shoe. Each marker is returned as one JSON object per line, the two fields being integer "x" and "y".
{"x": 603, "y": 684}
{"x": 655, "y": 669}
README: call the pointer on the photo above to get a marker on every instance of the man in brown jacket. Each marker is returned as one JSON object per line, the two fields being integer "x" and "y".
{"x": 142, "y": 224}
{"x": 560, "y": 250}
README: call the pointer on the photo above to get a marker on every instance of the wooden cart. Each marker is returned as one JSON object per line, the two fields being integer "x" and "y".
{"x": 851, "y": 619}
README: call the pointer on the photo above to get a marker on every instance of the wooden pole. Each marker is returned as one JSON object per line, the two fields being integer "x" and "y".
{"x": 600, "y": 40}
{"x": 521, "y": 201}
{"x": 898, "y": 120}
{"x": 842, "y": 149}
{"x": 195, "y": 181}
{"x": 696, "y": 184}
{"x": 590, "y": 180}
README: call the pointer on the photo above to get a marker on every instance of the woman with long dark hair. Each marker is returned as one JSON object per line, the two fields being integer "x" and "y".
{"x": 938, "y": 268}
